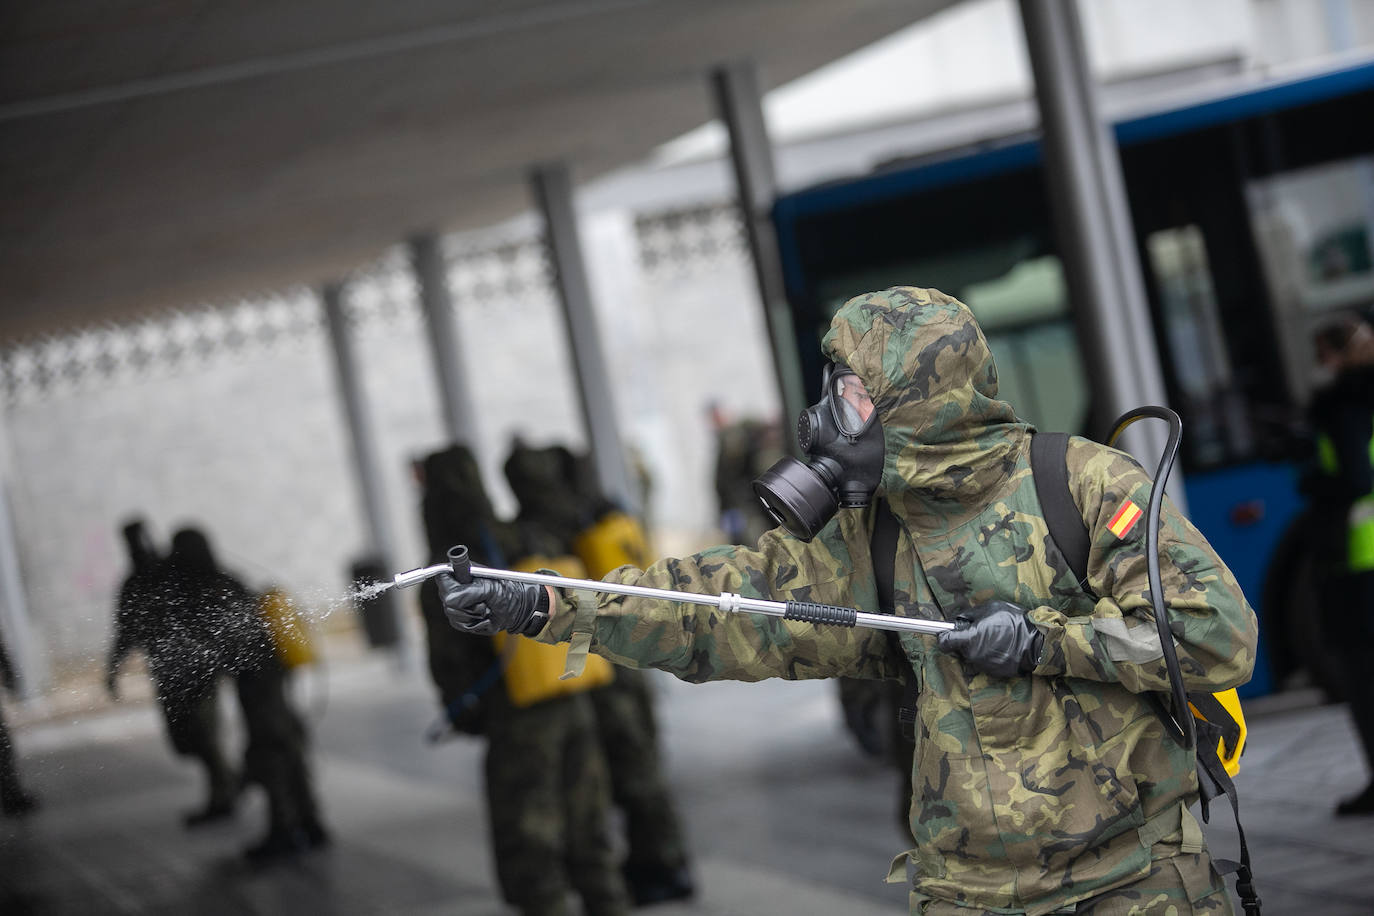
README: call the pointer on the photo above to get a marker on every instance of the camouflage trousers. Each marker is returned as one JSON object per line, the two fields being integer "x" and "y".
{"x": 1181, "y": 885}
{"x": 548, "y": 797}
{"x": 629, "y": 739}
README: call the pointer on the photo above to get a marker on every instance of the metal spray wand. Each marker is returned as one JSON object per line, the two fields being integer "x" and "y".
{"x": 463, "y": 569}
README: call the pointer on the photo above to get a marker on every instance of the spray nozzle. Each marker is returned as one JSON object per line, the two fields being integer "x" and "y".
{"x": 460, "y": 563}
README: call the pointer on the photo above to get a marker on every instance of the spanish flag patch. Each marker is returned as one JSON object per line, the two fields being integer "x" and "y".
{"x": 1125, "y": 519}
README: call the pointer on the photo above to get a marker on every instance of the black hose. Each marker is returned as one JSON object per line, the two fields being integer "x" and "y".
{"x": 1181, "y": 719}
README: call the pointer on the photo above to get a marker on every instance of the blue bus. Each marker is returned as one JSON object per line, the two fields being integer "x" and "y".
{"x": 1253, "y": 214}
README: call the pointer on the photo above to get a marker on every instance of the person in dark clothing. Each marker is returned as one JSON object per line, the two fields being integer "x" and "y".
{"x": 14, "y": 801}
{"x": 221, "y": 625}
{"x": 150, "y": 615}
{"x": 1342, "y": 493}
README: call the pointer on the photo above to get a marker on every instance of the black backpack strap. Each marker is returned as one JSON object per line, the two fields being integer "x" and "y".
{"x": 883, "y": 549}
{"x": 1050, "y": 471}
{"x": 1213, "y": 780}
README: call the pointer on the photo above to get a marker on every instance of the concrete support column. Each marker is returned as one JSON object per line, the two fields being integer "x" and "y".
{"x": 431, "y": 277}
{"x": 1092, "y": 219}
{"x": 735, "y": 87}
{"x": 382, "y": 538}
{"x": 552, "y": 189}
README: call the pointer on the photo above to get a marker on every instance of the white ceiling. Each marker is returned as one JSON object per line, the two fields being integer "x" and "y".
{"x": 160, "y": 152}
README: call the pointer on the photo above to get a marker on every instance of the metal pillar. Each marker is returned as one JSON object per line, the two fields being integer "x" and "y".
{"x": 740, "y": 105}
{"x": 427, "y": 260}
{"x": 383, "y": 540}
{"x": 1092, "y": 218}
{"x": 552, "y": 188}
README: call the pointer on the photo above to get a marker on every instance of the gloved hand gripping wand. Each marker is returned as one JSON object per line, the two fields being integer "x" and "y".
{"x": 463, "y": 569}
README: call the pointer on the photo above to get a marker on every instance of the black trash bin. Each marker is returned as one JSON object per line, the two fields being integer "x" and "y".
{"x": 380, "y": 620}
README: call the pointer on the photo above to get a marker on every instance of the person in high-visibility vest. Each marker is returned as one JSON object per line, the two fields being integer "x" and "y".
{"x": 1342, "y": 415}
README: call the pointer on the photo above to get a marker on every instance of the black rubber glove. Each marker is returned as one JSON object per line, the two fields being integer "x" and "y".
{"x": 997, "y": 638}
{"x": 487, "y": 606}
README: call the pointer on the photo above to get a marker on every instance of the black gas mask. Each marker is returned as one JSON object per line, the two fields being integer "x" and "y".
{"x": 843, "y": 443}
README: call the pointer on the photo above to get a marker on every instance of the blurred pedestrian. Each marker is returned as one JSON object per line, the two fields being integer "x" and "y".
{"x": 548, "y": 793}
{"x": 151, "y": 615}
{"x": 562, "y": 512}
{"x": 1342, "y": 493}
{"x": 744, "y": 450}
{"x": 14, "y": 800}
{"x": 225, "y": 630}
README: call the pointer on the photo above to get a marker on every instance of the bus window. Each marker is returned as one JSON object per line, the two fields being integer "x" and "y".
{"x": 1218, "y": 427}
{"x": 1314, "y": 228}
{"x": 1020, "y": 301}
{"x": 1025, "y": 315}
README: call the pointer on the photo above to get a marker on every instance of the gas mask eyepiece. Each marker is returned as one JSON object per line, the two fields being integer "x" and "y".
{"x": 843, "y": 444}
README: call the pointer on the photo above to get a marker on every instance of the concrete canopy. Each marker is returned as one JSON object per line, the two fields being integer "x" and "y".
{"x": 155, "y": 153}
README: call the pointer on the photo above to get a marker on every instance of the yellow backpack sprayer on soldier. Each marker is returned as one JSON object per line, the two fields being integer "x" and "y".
{"x": 1215, "y": 717}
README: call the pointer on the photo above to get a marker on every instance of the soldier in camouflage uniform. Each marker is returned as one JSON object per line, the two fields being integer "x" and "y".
{"x": 559, "y": 499}
{"x": 1043, "y": 780}
{"x": 548, "y": 791}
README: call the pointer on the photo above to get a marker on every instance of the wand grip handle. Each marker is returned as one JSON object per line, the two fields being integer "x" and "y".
{"x": 461, "y": 563}
{"x": 821, "y": 614}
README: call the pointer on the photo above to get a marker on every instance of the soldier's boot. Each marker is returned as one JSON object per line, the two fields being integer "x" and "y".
{"x": 307, "y": 809}
{"x": 224, "y": 787}
{"x": 602, "y": 889}
{"x": 277, "y": 845}
{"x": 1359, "y": 804}
{"x": 651, "y": 882}
{"x": 544, "y": 906}
{"x": 285, "y": 837}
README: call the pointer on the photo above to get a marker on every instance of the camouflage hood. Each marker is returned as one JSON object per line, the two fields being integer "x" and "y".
{"x": 950, "y": 444}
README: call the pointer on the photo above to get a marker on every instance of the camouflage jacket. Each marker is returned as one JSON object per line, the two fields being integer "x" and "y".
{"x": 1029, "y": 793}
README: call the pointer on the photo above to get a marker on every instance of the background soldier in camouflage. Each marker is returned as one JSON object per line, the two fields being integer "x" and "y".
{"x": 559, "y": 500}
{"x": 745, "y": 448}
{"x": 548, "y": 791}
{"x": 1043, "y": 781}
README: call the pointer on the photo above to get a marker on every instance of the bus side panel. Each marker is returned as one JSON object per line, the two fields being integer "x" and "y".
{"x": 1243, "y": 511}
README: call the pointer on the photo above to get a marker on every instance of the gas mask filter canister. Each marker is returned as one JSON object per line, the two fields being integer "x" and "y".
{"x": 843, "y": 443}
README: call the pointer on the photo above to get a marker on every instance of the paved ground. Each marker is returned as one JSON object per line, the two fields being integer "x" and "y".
{"x": 785, "y": 814}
